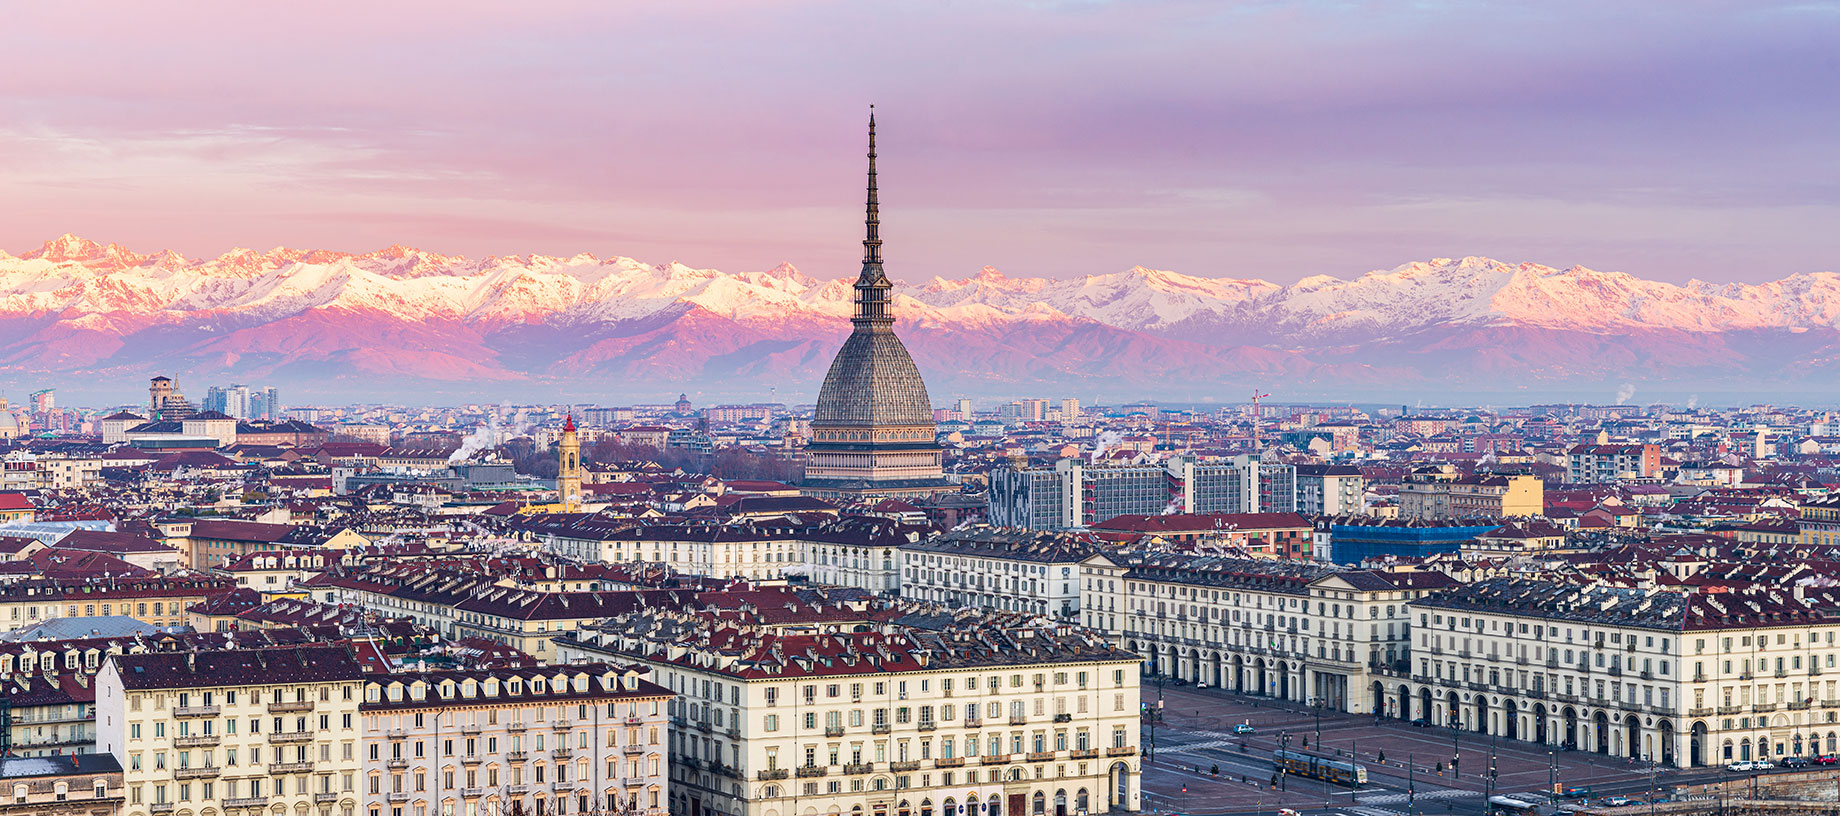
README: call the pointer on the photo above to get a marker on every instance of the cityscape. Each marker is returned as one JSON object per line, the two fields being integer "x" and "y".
{"x": 401, "y": 533}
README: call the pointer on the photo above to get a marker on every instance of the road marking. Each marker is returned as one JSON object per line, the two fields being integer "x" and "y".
{"x": 1446, "y": 793}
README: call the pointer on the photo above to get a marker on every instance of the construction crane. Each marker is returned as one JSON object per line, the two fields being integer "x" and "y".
{"x": 1256, "y": 396}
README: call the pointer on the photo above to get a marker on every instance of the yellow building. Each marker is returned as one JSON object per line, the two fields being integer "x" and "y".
{"x": 1442, "y": 492}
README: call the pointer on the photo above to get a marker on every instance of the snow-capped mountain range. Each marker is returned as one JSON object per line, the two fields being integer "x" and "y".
{"x": 401, "y": 322}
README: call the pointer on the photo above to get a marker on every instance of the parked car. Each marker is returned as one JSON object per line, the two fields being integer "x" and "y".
{"x": 1201, "y": 684}
{"x": 1763, "y": 765}
{"x": 1421, "y": 722}
{"x": 1796, "y": 762}
{"x": 1826, "y": 759}
{"x": 1580, "y": 792}
{"x": 1741, "y": 766}
{"x": 1618, "y": 801}
{"x": 1243, "y": 728}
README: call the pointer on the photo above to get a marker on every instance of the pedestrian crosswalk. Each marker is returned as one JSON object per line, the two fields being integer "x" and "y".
{"x": 1400, "y": 798}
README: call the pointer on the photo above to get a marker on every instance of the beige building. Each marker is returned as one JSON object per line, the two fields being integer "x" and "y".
{"x": 544, "y": 740}
{"x": 244, "y": 731}
{"x": 993, "y": 715}
{"x": 1442, "y": 493}
{"x": 1304, "y": 632}
{"x": 1684, "y": 679}
{"x": 156, "y": 601}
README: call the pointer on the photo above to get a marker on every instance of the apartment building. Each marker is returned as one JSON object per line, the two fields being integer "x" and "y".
{"x": 1820, "y": 521}
{"x": 1330, "y": 490}
{"x": 87, "y": 784}
{"x": 996, "y": 568}
{"x": 1684, "y": 679}
{"x": 1302, "y": 631}
{"x": 157, "y": 601}
{"x": 1441, "y": 492}
{"x": 923, "y": 711}
{"x": 578, "y": 739}
{"x": 1605, "y": 463}
{"x": 858, "y": 551}
{"x": 234, "y": 731}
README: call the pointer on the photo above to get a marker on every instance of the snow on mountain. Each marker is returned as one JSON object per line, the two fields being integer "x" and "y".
{"x": 74, "y": 306}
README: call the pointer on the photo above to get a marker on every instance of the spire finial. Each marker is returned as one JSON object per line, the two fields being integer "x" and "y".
{"x": 872, "y": 286}
{"x": 872, "y": 218}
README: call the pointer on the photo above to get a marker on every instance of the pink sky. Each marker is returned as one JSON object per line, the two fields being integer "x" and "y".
{"x": 1671, "y": 139}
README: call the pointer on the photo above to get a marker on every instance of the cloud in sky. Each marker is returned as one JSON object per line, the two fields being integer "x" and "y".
{"x": 1670, "y": 139}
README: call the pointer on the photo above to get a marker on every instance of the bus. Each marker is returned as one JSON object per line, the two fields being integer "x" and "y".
{"x": 1315, "y": 767}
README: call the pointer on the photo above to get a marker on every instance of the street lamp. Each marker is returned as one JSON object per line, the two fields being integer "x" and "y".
{"x": 1284, "y": 743}
{"x": 1456, "y": 730}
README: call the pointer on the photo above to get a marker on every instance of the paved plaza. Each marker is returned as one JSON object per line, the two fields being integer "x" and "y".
{"x": 1195, "y": 764}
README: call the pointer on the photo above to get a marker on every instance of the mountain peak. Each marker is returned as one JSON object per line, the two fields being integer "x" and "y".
{"x": 990, "y": 273}
{"x": 72, "y": 248}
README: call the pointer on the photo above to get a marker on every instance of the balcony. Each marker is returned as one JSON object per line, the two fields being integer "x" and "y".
{"x": 197, "y": 773}
{"x": 516, "y": 727}
{"x": 162, "y": 807}
{"x": 1798, "y": 705}
{"x": 471, "y": 759}
{"x": 559, "y": 725}
{"x": 1063, "y": 718}
{"x": 516, "y": 790}
{"x": 811, "y": 771}
{"x": 1125, "y": 751}
{"x": 1700, "y": 712}
{"x": 949, "y": 762}
{"x": 1729, "y": 709}
{"x": 1083, "y": 753}
{"x": 859, "y": 768}
{"x": 561, "y": 753}
{"x": 279, "y": 768}
{"x": 472, "y": 728}
{"x": 927, "y": 725}
{"x": 197, "y": 711}
{"x": 517, "y": 756}
{"x": 1018, "y": 720}
{"x": 879, "y": 728}
{"x": 325, "y": 798}
{"x": 284, "y": 708}
{"x": 974, "y": 722}
{"x": 397, "y": 733}
{"x": 1764, "y": 708}
{"x": 199, "y": 741}
{"x": 995, "y": 759}
{"x": 250, "y": 802}
{"x": 904, "y": 767}
{"x": 1830, "y": 703}
{"x": 399, "y": 797}
{"x": 633, "y": 750}
{"x": 833, "y": 731}
{"x": 472, "y": 793}
{"x": 397, "y": 763}
{"x": 1040, "y": 756}
{"x": 289, "y": 737}
{"x": 771, "y": 774}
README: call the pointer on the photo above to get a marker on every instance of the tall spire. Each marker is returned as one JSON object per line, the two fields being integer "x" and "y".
{"x": 872, "y": 286}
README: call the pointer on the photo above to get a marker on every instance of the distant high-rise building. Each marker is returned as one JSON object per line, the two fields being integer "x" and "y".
{"x": 872, "y": 435}
{"x": 1075, "y": 494}
{"x": 44, "y": 401}
{"x": 1070, "y": 409}
{"x": 964, "y": 408}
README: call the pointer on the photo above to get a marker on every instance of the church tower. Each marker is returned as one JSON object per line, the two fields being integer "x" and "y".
{"x": 872, "y": 433}
{"x": 568, "y": 468}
